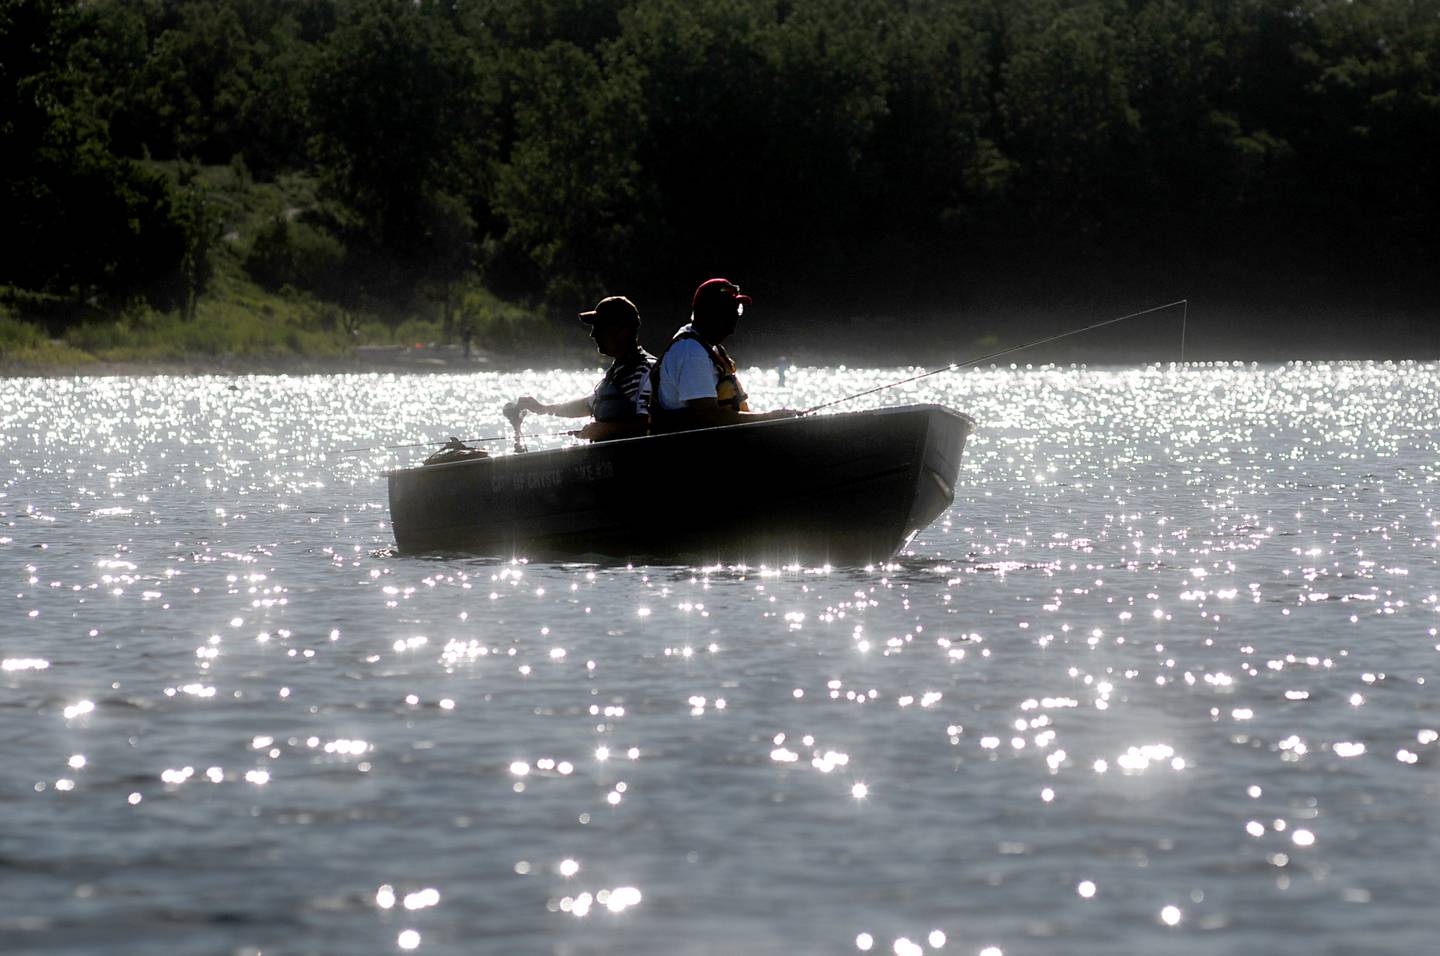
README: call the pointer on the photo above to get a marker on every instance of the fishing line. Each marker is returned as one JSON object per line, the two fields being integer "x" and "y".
{"x": 1184, "y": 318}
{"x": 1014, "y": 348}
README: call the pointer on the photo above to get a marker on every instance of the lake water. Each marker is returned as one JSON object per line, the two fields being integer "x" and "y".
{"x": 1165, "y": 679}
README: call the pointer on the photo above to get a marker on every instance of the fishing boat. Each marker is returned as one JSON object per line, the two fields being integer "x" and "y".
{"x": 845, "y": 490}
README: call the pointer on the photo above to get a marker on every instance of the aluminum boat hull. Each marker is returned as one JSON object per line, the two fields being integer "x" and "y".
{"x": 849, "y": 489}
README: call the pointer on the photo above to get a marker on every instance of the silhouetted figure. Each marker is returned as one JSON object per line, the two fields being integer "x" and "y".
{"x": 620, "y": 404}
{"x": 695, "y": 381}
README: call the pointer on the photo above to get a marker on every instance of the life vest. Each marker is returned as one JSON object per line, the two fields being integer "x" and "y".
{"x": 729, "y": 393}
{"x": 626, "y": 393}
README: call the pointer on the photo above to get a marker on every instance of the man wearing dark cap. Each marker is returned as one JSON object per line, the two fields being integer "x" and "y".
{"x": 694, "y": 382}
{"x": 620, "y": 404}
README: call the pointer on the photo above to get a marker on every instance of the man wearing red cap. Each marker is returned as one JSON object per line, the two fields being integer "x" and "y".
{"x": 620, "y": 404}
{"x": 695, "y": 385}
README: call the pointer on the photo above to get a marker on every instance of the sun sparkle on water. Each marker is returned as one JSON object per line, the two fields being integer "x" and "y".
{"x": 1162, "y": 671}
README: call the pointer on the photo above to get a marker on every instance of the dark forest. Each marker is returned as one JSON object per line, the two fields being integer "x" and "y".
{"x": 873, "y": 171}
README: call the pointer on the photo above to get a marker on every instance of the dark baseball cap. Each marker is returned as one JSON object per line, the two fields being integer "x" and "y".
{"x": 614, "y": 308}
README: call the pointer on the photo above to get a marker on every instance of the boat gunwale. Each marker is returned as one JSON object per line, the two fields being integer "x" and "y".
{"x": 966, "y": 420}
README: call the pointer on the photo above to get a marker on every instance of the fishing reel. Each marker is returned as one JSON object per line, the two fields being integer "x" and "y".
{"x": 455, "y": 450}
{"x": 515, "y": 415}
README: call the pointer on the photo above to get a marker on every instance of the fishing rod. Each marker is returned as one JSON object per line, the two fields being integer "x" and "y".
{"x": 516, "y": 436}
{"x": 1017, "y": 348}
{"x": 441, "y": 441}
{"x": 513, "y": 414}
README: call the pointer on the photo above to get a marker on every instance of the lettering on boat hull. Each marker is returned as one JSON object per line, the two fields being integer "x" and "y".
{"x": 544, "y": 478}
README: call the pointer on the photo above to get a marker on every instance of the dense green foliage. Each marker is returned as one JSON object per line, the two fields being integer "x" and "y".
{"x": 851, "y": 155}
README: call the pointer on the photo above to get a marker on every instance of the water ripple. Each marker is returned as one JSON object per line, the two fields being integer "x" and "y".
{"x": 1159, "y": 681}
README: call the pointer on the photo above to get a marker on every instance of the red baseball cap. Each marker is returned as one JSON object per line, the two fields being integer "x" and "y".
{"x": 718, "y": 291}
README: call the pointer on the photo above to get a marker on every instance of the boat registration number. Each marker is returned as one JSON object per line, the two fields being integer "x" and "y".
{"x": 551, "y": 477}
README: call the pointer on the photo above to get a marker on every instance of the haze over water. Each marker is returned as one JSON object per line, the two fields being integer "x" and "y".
{"x": 1163, "y": 680}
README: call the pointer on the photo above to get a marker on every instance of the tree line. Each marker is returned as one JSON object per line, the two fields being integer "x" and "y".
{"x": 846, "y": 153}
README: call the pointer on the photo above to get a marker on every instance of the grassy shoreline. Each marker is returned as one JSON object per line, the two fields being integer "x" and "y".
{"x": 281, "y": 299}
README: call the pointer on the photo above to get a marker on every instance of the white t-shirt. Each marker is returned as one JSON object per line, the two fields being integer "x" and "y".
{"x": 686, "y": 372}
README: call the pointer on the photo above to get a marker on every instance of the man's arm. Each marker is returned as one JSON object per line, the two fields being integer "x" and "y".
{"x": 576, "y": 408}
{"x": 707, "y": 413}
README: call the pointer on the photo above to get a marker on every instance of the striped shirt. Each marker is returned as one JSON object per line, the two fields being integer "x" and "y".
{"x": 623, "y": 395}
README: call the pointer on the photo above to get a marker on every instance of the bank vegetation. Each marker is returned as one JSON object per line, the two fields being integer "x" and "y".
{"x": 277, "y": 177}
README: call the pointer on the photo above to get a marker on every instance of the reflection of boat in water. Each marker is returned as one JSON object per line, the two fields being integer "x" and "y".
{"x": 847, "y": 489}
